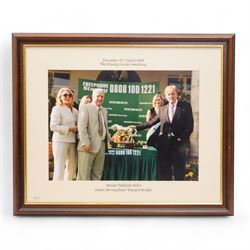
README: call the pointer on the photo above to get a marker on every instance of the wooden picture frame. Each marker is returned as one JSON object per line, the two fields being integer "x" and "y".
{"x": 212, "y": 55}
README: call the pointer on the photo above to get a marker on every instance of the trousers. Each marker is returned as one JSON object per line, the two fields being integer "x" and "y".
{"x": 65, "y": 160}
{"x": 90, "y": 165}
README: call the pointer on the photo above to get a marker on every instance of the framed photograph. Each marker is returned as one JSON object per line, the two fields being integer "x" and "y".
{"x": 123, "y": 124}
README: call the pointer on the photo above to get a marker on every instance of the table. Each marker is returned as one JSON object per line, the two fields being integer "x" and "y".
{"x": 130, "y": 164}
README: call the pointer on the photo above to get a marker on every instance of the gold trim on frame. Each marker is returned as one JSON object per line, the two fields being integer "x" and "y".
{"x": 25, "y": 46}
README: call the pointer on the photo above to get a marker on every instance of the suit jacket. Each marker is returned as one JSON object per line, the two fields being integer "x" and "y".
{"x": 60, "y": 120}
{"x": 181, "y": 126}
{"x": 88, "y": 127}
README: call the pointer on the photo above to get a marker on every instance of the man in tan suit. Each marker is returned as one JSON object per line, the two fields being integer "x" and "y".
{"x": 93, "y": 131}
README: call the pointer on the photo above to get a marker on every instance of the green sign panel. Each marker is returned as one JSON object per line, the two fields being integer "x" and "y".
{"x": 127, "y": 102}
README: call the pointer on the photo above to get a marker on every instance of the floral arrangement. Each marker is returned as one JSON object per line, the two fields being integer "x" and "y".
{"x": 192, "y": 170}
{"x": 123, "y": 135}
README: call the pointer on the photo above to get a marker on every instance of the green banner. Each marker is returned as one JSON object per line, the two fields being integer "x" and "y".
{"x": 127, "y": 102}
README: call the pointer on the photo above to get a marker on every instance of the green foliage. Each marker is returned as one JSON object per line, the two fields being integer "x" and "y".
{"x": 192, "y": 170}
{"x": 51, "y": 100}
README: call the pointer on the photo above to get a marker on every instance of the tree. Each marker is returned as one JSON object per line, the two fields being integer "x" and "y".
{"x": 51, "y": 99}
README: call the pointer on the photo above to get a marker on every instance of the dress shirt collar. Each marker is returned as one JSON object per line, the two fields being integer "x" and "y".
{"x": 175, "y": 104}
{"x": 97, "y": 108}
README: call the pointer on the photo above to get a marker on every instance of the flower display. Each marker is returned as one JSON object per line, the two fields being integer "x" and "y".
{"x": 123, "y": 136}
{"x": 192, "y": 172}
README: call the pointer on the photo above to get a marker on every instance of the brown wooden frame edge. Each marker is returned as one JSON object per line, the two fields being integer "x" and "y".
{"x": 227, "y": 40}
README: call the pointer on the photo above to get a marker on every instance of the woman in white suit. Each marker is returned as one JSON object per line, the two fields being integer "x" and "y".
{"x": 63, "y": 123}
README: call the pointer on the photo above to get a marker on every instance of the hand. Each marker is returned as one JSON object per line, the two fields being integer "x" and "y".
{"x": 73, "y": 129}
{"x": 111, "y": 144}
{"x": 132, "y": 126}
{"x": 86, "y": 148}
{"x": 178, "y": 139}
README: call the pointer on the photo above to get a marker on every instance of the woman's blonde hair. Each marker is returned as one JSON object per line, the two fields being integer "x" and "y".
{"x": 83, "y": 100}
{"x": 59, "y": 96}
{"x": 156, "y": 96}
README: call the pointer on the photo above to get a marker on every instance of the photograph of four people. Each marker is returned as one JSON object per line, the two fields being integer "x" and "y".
{"x": 81, "y": 136}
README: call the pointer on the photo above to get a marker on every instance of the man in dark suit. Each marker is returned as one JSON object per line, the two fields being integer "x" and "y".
{"x": 176, "y": 125}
